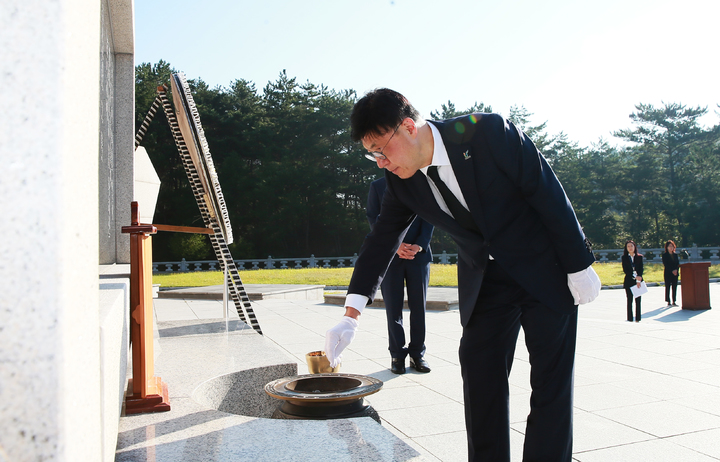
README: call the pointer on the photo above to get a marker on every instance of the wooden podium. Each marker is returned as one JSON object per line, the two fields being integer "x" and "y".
{"x": 146, "y": 393}
{"x": 695, "y": 286}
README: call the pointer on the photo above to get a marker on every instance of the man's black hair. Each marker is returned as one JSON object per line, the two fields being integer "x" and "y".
{"x": 379, "y": 112}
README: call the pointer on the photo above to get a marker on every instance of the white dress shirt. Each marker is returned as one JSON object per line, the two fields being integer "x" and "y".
{"x": 445, "y": 172}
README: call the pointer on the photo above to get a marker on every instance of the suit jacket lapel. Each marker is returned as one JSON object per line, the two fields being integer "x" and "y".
{"x": 463, "y": 159}
{"x": 463, "y": 163}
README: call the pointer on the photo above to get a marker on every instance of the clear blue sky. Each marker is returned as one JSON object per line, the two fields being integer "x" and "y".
{"x": 580, "y": 65}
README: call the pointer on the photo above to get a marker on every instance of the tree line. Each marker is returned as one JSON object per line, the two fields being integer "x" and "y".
{"x": 295, "y": 184}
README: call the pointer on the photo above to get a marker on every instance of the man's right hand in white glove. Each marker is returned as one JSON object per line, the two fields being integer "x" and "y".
{"x": 338, "y": 338}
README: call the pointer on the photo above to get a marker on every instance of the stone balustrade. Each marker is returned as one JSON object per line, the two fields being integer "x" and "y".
{"x": 687, "y": 254}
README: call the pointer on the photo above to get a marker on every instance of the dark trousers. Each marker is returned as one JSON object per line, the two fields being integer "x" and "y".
{"x": 486, "y": 356}
{"x": 630, "y": 298}
{"x": 671, "y": 283}
{"x": 417, "y": 277}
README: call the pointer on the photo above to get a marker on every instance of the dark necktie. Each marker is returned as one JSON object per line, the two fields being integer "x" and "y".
{"x": 460, "y": 213}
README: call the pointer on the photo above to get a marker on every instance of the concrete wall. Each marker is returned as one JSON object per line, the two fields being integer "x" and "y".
{"x": 117, "y": 112}
{"x": 51, "y": 386}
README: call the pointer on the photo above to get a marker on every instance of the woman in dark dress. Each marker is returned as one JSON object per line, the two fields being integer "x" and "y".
{"x": 671, "y": 262}
{"x": 632, "y": 264}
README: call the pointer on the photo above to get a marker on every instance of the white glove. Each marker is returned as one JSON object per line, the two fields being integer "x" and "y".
{"x": 339, "y": 337}
{"x": 584, "y": 285}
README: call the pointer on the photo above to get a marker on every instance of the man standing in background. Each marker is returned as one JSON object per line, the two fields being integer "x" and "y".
{"x": 411, "y": 267}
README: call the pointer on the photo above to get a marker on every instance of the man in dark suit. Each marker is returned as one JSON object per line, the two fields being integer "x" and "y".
{"x": 523, "y": 261}
{"x": 411, "y": 267}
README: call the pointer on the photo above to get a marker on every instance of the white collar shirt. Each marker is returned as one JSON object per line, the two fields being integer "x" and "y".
{"x": 445, "y": 171}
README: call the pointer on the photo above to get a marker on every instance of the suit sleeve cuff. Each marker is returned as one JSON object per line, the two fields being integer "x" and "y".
{"x": 578, "y": 275}
{"x": 356, "y": 301}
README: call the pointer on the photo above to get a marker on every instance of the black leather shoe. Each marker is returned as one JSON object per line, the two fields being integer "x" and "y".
{"x": 397, "y": 366}
{"x": 419, "y": 364}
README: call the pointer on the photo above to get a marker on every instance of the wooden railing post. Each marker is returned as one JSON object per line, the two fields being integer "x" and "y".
{"x": 149, "y": 393}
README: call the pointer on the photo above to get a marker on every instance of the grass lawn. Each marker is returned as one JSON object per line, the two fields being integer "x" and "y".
{"x": 440, "y": 276}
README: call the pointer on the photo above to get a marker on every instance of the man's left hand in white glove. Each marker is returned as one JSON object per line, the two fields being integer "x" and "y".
{"x": 584, "y": 285}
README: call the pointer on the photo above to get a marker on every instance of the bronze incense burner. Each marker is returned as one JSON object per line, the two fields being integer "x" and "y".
{"x": 324, "y": 396}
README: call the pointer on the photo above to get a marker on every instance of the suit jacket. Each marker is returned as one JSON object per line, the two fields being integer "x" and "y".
{"x": 628, "y": 265}
{"x": 526, "y": 220}
{"x": 671, "y": 262}
{"x": 420, "y": 232}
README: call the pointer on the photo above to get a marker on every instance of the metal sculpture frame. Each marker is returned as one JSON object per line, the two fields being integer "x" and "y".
{"x": 209, "y": 199}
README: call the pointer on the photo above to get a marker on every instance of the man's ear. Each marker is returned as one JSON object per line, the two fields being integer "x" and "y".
{"x": 410, "y": 126}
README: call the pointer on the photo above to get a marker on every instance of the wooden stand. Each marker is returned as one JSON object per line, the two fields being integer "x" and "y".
{"x": 146, "y": 393}
{"x": 695, "y": 286}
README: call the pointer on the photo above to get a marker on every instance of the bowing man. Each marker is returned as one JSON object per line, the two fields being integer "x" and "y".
{"x": 523, "y": 261}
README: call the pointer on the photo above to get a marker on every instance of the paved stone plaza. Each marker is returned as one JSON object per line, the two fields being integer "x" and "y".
{"x": 647, "y": 391}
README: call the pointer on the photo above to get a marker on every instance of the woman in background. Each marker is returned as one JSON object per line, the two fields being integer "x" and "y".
{"x": 632, "y": 264}
{"x": 671, "y": 263}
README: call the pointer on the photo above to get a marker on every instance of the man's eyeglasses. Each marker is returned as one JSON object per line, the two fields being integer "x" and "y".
{"x": 378, "y": 155}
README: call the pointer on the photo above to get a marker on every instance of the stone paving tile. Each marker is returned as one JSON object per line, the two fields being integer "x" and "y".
{"x": 708, "y": 376}
{"x": 705, "y": 442}
{"x": 439, "y": 358}
{"x": 608, "y": 396}
{"x": 662, "y": 418}
{"x": 445, "y": 379}
{"x": 594, "y": 432}
{"x": 704, "y": 339}
{"x": 709, "y": 403}
{"x": 519, "y": 407}
{"x": 427, "y": 420}
{"x": 392, "y": 381}
{"x": 604, "y": 370}
{"x": 586, "y": 345}
{"x": 445, "y": 446}
{"x": 517, "y": 439}
{"x": 671, "y": 365}
{"x": 354, "y": 364}
{"x": 426, "y": 454}
{"x": 674, "y": 347}
{"x": 669, "y": 387}
{"x": 708, "y": 356}
{"x": 599, "y": 330}
{"x": 175, "y": 310}
{"x": 646, "y": 451}
{"x": 406, "y": 397}
{"x": 618, "y": 354}
{"x": 287, "y": 337}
